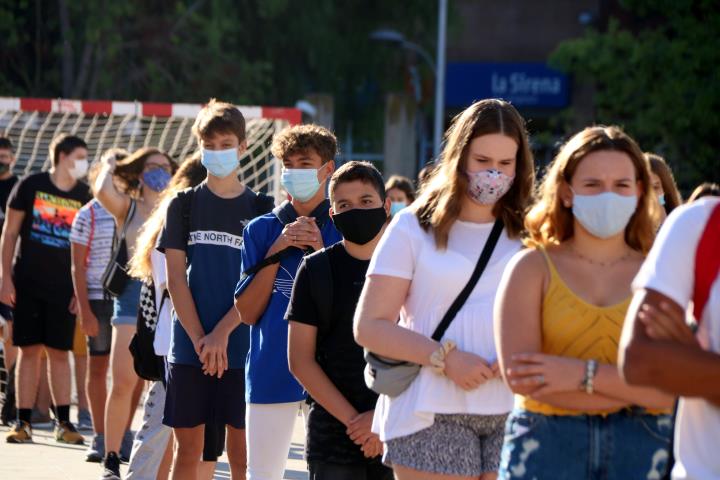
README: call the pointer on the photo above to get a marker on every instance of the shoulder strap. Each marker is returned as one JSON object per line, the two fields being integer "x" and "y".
{"x": 465, "y": 294}
{"x": 91, "y": 235}
{"x": 707, "y": 263}
{"x": 186, "y": 200}
{"x": 321, "y": 286}
{"x": 128, "y": 218}
{"x": 263, "y": 204}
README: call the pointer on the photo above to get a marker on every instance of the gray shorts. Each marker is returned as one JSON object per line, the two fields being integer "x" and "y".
{"x": 466, "y": 445}
{"x": 100, "y": 345}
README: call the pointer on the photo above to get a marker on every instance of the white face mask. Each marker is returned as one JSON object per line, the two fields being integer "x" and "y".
{"x": 606, "y": 214}
{"x": 79, "y": 169}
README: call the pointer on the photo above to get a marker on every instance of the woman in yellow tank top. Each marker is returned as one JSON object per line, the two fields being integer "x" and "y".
{"x": 559, "y": 315}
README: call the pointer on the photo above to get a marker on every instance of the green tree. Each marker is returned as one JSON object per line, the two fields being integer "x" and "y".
{"x": 659, "y": 78}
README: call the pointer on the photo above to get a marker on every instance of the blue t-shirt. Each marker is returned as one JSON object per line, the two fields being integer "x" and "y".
{"x": 267, "y": 376}
{"x": 213, "y": 252}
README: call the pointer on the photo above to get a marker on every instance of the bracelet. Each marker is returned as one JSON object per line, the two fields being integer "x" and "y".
{"x": 591, "y": 368}
{"x": 437, "y": 359}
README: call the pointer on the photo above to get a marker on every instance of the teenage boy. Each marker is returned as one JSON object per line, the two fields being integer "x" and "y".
{"x": 665, "y": 345}
{"x": 273, "y": 247}
{"x": 322, "y": 351}
{"x": 201, "y": 240}
{"x": 40, "y": 213}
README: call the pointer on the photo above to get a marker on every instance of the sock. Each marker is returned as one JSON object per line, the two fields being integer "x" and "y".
{"x": 63, "y": 413}
{"x": 24, "y": 414}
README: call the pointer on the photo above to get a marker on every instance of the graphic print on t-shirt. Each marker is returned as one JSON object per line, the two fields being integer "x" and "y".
{"x": 284, "y": 282}
{"x": 52, "y": 219}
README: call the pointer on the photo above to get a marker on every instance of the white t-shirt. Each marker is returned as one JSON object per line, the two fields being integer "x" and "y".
{"x": 95, "y": 226}
{"x": 438, "y": 276}
{"x": 164, "y": 324}
{"x": 670, "y": 270}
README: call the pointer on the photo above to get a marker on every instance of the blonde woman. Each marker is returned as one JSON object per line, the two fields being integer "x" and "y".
{"x": 449, "y": 422}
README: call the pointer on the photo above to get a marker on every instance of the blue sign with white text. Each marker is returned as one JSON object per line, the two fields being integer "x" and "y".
{"x": 522, "y": 84}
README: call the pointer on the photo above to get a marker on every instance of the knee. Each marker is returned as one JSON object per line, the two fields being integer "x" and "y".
{"x": 189, "y": 450}
{"x": 57, "y": 357}
{"x": 31, "y": 352}
{"x": 97, "y": 367}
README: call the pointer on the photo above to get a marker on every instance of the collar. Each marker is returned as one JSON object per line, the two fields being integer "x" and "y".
{"x": 286, "y": 213}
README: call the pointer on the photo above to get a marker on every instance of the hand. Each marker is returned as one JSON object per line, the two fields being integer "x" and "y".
{"x": 73, "y": 306}
{"x": 543, "y": 374}
{"x": 302, "y": 233}
{"x": 7, "y": 292}
{"x": 467, "y": 370}
{"x": 373, "y": 447}
{"x": 495, "y": 367}
{"x": 89, "y": 323}
{"x": 359, "y": 428}
{"x": 109, "y": 160}
{"x": 213, "y": 353}
{"x": 664, "y": 323}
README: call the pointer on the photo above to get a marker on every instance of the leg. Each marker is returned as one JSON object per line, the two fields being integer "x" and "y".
{"x": 269, "y": 432}
{"x": 164, "y": 469}
{"x": 44, "y": 398}
{"x": 11, "y": 351}
{"x": 81, "y": 381}
{"x": 27, "y": 373}
{"x": 135, "y": 400}
{"x": 189, "y": 450}
{"x": 123, "y": 384}
{"x": 152, "y": 439}
{"x": 59, "y": 376}
{"x": 97, "y": 389}
{"x": 237, "y": 453}
{"x": 206, "y": 470}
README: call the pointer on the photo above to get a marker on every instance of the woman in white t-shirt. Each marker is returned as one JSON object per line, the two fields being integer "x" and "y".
{"x": 450, "y": 420}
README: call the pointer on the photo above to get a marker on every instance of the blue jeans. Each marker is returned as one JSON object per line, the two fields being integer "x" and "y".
{"x": 627, "y": 445}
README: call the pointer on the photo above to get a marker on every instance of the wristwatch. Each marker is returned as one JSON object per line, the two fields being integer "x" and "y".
{"x": 591, "y": 367}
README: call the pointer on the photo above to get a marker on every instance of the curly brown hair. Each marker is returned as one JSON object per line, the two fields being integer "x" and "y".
{"x": 301, "y": 138}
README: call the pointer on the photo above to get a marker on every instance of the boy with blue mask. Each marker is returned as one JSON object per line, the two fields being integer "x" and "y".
{"x": 202, "y": 240}
{"x": 273, "y": 246}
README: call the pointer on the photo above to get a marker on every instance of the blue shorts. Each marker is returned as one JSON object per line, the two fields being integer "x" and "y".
{"x": 125, "y": 307}
{"x": 194, "y": 398}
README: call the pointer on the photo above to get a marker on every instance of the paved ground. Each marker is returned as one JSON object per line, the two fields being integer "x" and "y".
{"x": 49, "y": 460}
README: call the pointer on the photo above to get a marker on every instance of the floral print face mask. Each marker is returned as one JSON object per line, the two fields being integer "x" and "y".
{"x": 488, "y": 186}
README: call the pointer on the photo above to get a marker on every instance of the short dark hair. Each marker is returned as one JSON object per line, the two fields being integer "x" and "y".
{"x": 219, "y": 117}
{"x": 301, "y": 138}
{"x": 6, "y": 144}
{"x": 363, "y": 171}
{"x": 403, "y": 184}
{"x": 64, "y": 143}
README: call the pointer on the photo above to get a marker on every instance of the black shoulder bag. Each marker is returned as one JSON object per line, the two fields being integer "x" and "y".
{"x": 147, "y": 364}
{"x": 116, "y": 278}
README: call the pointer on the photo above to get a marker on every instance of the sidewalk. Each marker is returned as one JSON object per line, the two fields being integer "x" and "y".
{"x": 46, "y": 459}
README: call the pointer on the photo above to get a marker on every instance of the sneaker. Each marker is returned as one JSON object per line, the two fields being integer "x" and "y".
{"x": 65, "y": 432}
{"x": 111, "y": 467}
{"x": 41, "y": 420}
{"x": 126, "y": 446}
{"x": 84, "y": 420}
{"x": 96, "y": 451}
{"x": 20, "y": 433}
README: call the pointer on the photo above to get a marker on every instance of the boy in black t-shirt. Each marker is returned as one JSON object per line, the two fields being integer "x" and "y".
{"x": 40, "y": 213}
{"x": 323, "y": 354}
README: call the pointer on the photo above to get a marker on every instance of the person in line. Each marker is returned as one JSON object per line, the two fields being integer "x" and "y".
{"x": 91, "y": 240}
{"x": 40, "y": 213}
{"x": 129, "y": 189}
{"x": 281, "y": 239}
{"x": 401, "y": 192}
{"x": 663, "y": 184}
{"x": 449, "y": 422}
{"x": 202, "y": 240}
{"x": 322, "y": 352}
{"x": 671, "y": 338}
{"x": 594, "y": 221}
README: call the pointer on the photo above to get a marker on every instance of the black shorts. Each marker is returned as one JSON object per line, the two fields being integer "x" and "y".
{"x": 194, "y": 398}
{"x": 40, "y": 320}
{"x": 214, "y": 442}
{"x": 100, "y": 344}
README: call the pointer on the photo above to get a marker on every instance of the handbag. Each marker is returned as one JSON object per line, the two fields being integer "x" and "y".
{"x": 116, "y": 278}
{"x": 146, "y": 363}
{"x": 390, "y": 377}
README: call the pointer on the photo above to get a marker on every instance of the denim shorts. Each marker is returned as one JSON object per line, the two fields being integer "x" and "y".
{"x": 125, "y": 307}
{"x": 630, "y": 444}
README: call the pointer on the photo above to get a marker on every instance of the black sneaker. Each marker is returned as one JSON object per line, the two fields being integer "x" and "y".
{"x": 111, "y": 467}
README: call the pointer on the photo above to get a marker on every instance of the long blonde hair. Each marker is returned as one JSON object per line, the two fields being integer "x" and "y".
{"x": 190, "y": 174}
{"x": 550, "y": 222}
{"x": 441, "y": 199}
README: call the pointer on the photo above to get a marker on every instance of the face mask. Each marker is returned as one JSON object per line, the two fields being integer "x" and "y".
{"x": 488, "y": 186}
{"x": 220, "y": 163}
{"x": 396, "y": 207}
{"x": 301, "y": 183}
{"x": 604, "y": 215}
{"x": 156, "y": 179}
{"x": 4, "y": 168}
{"x": 661, "y": 200}
{"x": 359, "y": 225}
{"x": 79, "y": 169}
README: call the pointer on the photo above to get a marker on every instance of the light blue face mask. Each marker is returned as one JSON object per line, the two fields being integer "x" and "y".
{"x": 606, "y": 214}
{"x": 220, "y": 163}
{"x": 661, "y": 200}
{"x": 395, "y": 207}
{"x": 301, "y": 183}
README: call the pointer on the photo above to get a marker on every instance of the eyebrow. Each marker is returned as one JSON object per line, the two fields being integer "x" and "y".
{"x": 485, "y": 157}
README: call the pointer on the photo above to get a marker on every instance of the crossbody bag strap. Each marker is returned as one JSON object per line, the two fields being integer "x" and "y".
{"x": 91, "y": 236}
{"x": 128, "y": 219}
{"x": 477, "y": 273}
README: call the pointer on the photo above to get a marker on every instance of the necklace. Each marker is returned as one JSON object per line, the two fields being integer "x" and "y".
{"x": 600, "y": 264}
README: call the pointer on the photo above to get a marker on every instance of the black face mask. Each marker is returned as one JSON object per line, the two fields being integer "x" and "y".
{"x": 4, "y": 168}
{"x": 360, "y": 225}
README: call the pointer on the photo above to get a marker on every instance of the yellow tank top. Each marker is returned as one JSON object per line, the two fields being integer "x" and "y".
{"x": 572, "y": 327}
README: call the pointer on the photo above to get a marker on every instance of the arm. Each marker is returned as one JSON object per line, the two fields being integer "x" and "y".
{"x": 10, "y": 234}
{"x": 114, "y": 202}
{"x": 673, "y": 366}
{"x": 181, "y": 296}
{"x": 88, "y": 320}
{"x": 254, "y": 299}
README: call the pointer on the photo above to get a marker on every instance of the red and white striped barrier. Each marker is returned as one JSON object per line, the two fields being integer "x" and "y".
{"x": 147, "y": 109}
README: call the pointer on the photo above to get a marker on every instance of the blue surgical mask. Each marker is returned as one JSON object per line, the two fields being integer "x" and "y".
{"x": 661, "y": 200}
{"x": 220, "y": 163}
{"x": 395, "y": 207}
{"x": 156, "y": 179}
{"x": 301, "y": 183}
{"x": 606, "y": 214}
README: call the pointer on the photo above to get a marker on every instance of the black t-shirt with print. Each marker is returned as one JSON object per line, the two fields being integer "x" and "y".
{"x": 6, "y": 187}
{"x": 340, "y": 357}
{"x": 43, "y": 260}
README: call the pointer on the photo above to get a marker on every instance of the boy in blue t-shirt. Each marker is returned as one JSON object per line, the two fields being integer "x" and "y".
{"x": 201, "y": 239}
{"x": 273, "y": 246}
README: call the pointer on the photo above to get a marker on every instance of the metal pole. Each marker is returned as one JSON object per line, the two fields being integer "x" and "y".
{"x": 440, "y": 79}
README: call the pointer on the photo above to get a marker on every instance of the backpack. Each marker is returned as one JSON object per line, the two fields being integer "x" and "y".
{"x": 707, "y": 263}
{"x": 147, "y": 364}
